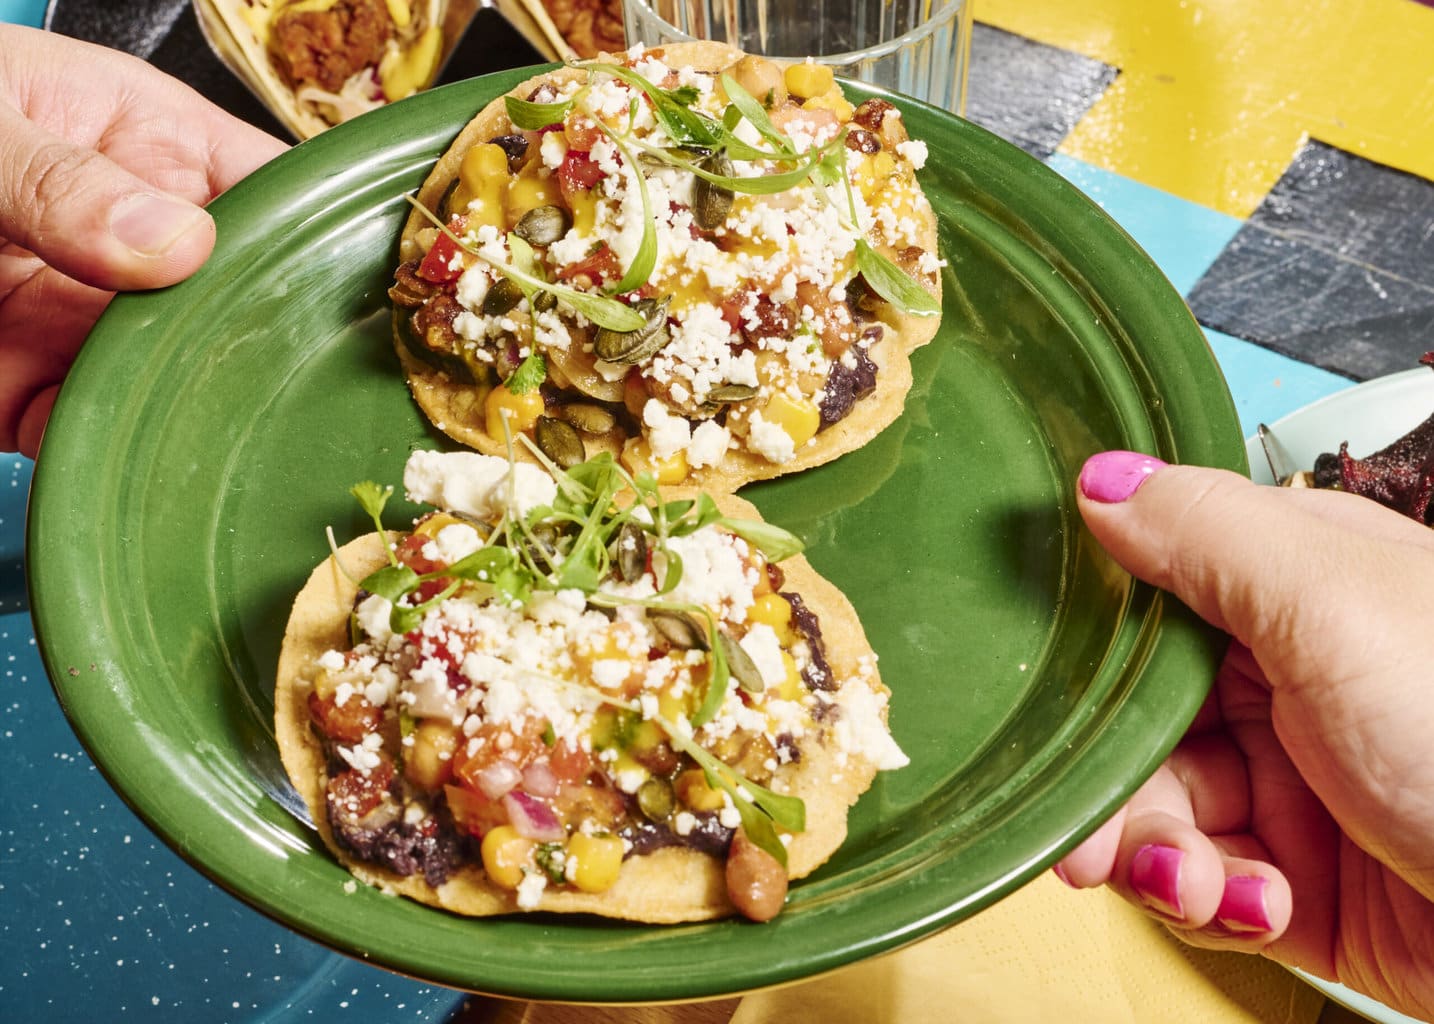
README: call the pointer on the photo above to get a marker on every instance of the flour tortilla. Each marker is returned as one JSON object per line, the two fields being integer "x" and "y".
{"x": 450, "y": 404}
{"x": 665, "y": 887}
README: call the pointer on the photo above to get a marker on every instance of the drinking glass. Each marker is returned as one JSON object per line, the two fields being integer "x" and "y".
{"x": 916, "y": 47}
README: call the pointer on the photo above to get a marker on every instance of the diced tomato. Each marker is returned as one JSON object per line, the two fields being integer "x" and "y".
{"x": 577, "y": 173}
{"x": 440, "y": 265}
{"x": 348, "y": 722}
{"x": 410, "y": 553}
{"x": 356, "y": 793}
{"x": 597, "y": 266}
{"x": 582, "y": 134}
{"x": 473, "y": 812}
{"x": 570, "y": 764}
{"x": 521, "y": 749}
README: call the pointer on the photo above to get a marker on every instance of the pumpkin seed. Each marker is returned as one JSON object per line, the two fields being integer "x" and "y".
{"x": 590, "y": 419}
{"x": 628, "y": 347}
{"x": 632, "y": 553}
{"x": 544, "y": 225}
{"x": 559, "y": 441}
{"x": 655, "y": 799}
{"x": 544, "y": 301}
{"x": 740, "y": 665}
{"x": 732, "y": 393}
{"x": 501, "y": 297}
{"x": 711, "y": 202}
{"x": 680, "y": 629}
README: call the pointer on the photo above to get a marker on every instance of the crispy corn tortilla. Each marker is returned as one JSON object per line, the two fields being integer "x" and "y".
{"x": 664, "y": 887}
{"x": 451, "y": 406}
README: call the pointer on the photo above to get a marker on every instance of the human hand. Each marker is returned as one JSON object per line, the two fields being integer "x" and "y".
{"x": 1296, "y": 818}
{"x": 104, "y": 163}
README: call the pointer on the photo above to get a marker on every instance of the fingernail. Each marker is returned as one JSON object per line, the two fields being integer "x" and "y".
{"x": 1111, "y": 477}
{"x": 1155, "y": 877}
{"x": 1242, "y": 907}
{"x": 150, "y": 224}
{"x": 1060, "y": 873}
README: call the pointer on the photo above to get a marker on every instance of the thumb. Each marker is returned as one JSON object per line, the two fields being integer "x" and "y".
{"x": 91, "y": 219}
{"x": 1273, "y": 567}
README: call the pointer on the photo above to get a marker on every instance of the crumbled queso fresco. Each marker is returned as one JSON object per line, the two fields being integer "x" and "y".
{"x": 571, "y": 722}
{"x": 769, "y": 328}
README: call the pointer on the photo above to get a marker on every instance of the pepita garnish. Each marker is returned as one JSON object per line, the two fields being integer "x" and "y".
{"x": 589, "y": 419}
{"x": 544, "y": 225}
{"x": 628, "y": 347}
{"x": 682, "y": 630}
{"x": 740, "y": 664}
{"x": 559, "y": 441}
{"x": 711, "y": 202}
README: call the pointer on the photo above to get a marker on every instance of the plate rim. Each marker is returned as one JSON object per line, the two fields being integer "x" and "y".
{"x": 1174, "y": 626}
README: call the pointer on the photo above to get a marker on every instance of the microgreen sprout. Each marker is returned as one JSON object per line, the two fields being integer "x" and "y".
{"x": 601, "y": 310}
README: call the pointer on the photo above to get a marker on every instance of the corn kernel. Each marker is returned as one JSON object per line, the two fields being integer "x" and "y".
{"x": 428, "y": 762}
{"x": 693, "y": 791}
{"x": 637, "y": 457}
{"x": 505, "y": 853}
{"x": 584, "y": 204}
{"x": 530, "y": 190}
{"x": 775, "y": 611}
{"x": 325, "y": 685}
{"x": 808, "y": 79}
{"x": 482, "y": 164}
{"x": 430, "y": 526}
{"x": 671, "y": 707}
{"x": 521, "y": 411}
{"x": 599, "y": 859}
{"x": 792, "y": 686}
{"x": 797, "y": 416}
{"x": 833, "y": 101}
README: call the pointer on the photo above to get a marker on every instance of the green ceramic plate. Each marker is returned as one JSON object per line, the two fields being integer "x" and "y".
{"x": 209, "y": 433}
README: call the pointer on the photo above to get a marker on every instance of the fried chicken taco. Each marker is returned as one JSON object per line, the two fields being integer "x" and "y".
{"x": 568, "y": 691}
{"x": 707, "y": 265}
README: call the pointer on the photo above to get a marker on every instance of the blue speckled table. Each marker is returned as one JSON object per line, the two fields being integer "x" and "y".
{"x": 101, "y": 921}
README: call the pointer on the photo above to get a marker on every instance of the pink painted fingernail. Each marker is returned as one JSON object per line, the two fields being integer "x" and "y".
{"x": 1060, "y": 873}
{"x": 1155, "y": 877}
{"x": 1112, "y": 477}
{"x": 1242, "y": 907}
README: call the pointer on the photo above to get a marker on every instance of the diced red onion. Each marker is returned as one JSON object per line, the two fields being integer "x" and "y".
{"x": 532, "y": 818}
{"x": 538, "y": 779}
{"x": 498, "y": 779}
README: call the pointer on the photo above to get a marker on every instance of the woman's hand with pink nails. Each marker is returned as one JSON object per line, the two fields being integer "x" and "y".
{"x": 1296, "y": 817}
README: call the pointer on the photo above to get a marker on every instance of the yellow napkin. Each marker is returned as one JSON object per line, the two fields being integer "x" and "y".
{"x": 1047, "y": 953}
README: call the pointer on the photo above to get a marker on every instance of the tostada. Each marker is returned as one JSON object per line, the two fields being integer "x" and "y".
{"x": 710, "y": 266}
{"x": 568, "y": 691}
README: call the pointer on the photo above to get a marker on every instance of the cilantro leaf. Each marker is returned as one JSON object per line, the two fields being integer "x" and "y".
{"x": 532, "y": 116}
{"x": 892, "y": 284}
{"x": 756, "y": 115}
{"x": 529, "y": 375}
{"x": 773, "y": 541}
{"x": 685, "y": 126}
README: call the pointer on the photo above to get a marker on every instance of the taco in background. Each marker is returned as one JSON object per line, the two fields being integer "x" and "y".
{"x": 316, "y": 63}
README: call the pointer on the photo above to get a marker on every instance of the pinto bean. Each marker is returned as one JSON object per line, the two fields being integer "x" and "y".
{"x": 756, "y": 882}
